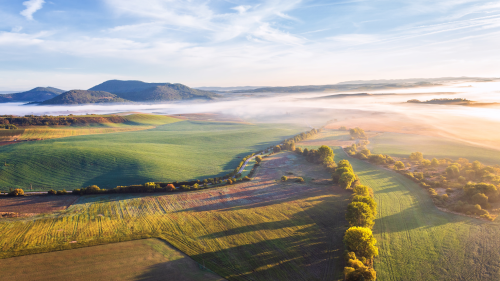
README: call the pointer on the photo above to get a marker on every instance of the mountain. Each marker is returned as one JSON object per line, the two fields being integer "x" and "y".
{"x": 37, "y": 95}
{"x": 141, "y": 91}
{"x": 84, "y": 96}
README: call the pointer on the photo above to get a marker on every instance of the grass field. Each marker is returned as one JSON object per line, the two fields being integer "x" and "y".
{"x": 134, "y": 122}
{"x": 259, "y": 230}
{"x": 401, "y": 145}
{"x": 150, "y": 259}
{"x": 178, "y": 151}
{"x": 416, "y": 240}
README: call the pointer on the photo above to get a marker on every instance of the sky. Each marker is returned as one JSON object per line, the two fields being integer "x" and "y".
{"x": 78, "y": 44}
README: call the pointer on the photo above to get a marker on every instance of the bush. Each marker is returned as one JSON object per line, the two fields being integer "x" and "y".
{"x": 299, "y": 179}
{"x": 17, "y": 192}
{"x": 258, "y": 159}
{"x": 346, "y": 180}
{"x": 229, "y": 181}
{"x": 170, "y": 187}
{"x": 245, "y": 178}
{"x": 53, "y": 192}
{"x": 284, "y": 178}
{"x": 62, "y": 192}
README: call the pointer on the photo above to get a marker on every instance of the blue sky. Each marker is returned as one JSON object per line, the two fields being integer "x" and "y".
{"x": 77, "y": 44}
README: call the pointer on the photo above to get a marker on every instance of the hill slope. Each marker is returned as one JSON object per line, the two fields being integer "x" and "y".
{"x": 84, "y": 96}
{"x": 141, "y": 91}
{"x": 37, "y": 94}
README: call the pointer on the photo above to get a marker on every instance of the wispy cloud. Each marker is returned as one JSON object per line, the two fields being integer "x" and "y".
{"x": 31, "y": 7}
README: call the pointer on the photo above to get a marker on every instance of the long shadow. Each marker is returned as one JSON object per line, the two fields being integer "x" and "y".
{"x": 313, "y": 252}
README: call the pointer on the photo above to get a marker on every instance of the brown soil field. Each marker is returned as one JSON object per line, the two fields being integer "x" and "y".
{"x": 150, "y": 259}
{"x": 34, "y": 204}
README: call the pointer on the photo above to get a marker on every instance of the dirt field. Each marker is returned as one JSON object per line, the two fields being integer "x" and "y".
{"x": 150, "y": 259}
{"x": 32, "y": 205}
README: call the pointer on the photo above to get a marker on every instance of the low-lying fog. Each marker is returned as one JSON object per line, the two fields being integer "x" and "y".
{"x": 383, "y": 110}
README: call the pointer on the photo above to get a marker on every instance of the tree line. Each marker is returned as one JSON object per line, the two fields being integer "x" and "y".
{"x": 32, "y": 120}
{"x": 360, "y": 214}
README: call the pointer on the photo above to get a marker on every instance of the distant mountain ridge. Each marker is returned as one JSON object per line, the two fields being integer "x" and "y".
{"x": 83, "y": 97}
{"x": 37, "y": 94}
{"x": 141, "y": 91}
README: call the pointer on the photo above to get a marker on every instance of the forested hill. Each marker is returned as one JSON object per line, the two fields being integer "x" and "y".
{"x": 37, "y": 95}
{"x": 84, "y": 96}
{"x": 140, "y": 91}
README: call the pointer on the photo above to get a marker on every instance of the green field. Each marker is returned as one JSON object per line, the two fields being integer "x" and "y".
{"x": 149, "y": 259}
{"x": 258, "y": 230}
{"x": 419, "y": 242}
{"x": 173, "y": 152}
{"x": 401, "y": 145}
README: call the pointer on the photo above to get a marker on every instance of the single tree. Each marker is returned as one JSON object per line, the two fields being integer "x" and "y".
{"x": 361, "y": 241}
{"x": 359, "y": 214}
{"x": 399, "y": 165}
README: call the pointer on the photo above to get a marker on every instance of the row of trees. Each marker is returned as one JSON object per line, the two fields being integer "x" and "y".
{"x": 58, "y": 120}
{"x": 361, "y": 152}
{"x": 360, "y": 214}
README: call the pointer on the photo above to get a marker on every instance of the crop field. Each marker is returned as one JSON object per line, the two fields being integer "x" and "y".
{"x": 416, "y": 240}
{"x": 401, "y": 145}
{"x": 33, "y": 205}
{"x": 149, "y": 259}
{"x": 173, "y": 152}
{"x": 258, "y": 230}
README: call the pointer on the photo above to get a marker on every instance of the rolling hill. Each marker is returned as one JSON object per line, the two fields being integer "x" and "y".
{"x": 38, "y": 94}
{"x": 84, "y": 96}
{"x": 142, "y": 91}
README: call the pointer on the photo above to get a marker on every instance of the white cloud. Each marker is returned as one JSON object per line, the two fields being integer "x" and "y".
{"x": 242, "y": 8}
{"x": 31, "y": 7}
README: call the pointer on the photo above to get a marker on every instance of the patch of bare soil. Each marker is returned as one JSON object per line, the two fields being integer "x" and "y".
{"x": 33, "y": 205}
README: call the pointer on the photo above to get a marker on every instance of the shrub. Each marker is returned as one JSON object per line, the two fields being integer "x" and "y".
{"x": 245, "y": 178}
{"x": 170, "y": 187}
{"x": 299, "y": 179}
{"x": 53, "y": 192}
{"x": 62, "y": 192}
{"x": 480, "y": 198}
{"x": 229, "y": 181}
{"x": 258, "y": 159}
{"x": 359, "y": 214}
{"x": 17, "y": 192}
{"x": 399, "y": 165}
{"x": 361, "y": 241}
{"x": 284, "y": 178}
{"x": 432, "y": 192}
{"x": 346, "y": 180}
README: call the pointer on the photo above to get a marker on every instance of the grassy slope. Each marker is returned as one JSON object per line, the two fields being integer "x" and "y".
{"x": 150, "y": 259}
{"x": 419, "y": 242}
{"x": 401, "y": 145}
{"x": 134, "y": 122}
{"x": 259, "y": 230}
{"x": 178, "y": 151}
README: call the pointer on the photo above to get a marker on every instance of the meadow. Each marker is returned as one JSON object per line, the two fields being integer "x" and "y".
{"x": 148, "y": 259}
{"x": 416, "y": 240}
{"x": 258, "y": 230}
{"x": 177, "y": 151}
{"x": 401, "y": 145}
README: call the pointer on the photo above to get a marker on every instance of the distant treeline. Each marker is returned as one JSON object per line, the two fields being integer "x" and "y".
{"x": 441, "y": 101}
{"x": 32, "y": 120}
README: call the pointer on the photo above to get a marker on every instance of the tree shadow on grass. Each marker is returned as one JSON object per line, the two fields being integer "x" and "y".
{"x": 312, "y": 252}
